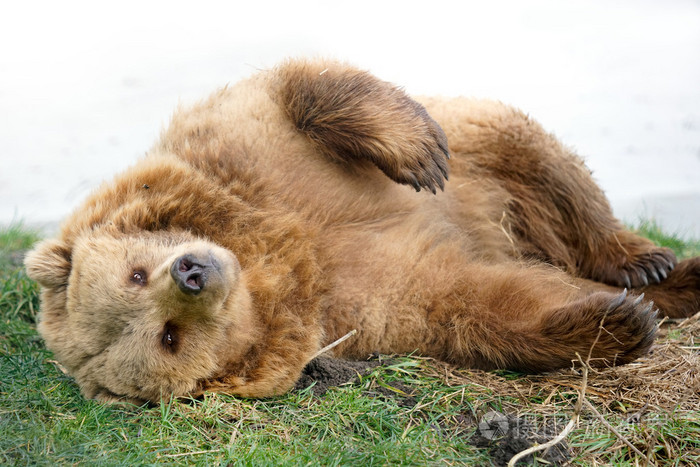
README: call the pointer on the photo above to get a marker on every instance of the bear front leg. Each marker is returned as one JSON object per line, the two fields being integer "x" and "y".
{"x": 352, "y": 116}
{"x": 534, "y": 320}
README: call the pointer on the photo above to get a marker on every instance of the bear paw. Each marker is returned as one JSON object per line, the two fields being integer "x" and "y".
{"x": 643, "y": 269}
{"x": 613, "y": 329}
{"x": 424, "y": 166}
{"x": 627, "y": 260}
{"x": 626, "y": 326}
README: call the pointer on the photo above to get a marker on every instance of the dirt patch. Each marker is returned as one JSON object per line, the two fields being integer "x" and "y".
{"x": 502, "y": 435}
{"x": 506, "y": 435}
{"x": 323, "y": 373}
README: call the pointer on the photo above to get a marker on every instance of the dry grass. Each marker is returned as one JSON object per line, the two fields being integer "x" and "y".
{"x": 643, "y": 400}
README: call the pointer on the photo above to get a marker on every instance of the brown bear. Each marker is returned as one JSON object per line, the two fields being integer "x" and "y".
{"x": 312, "y": 199}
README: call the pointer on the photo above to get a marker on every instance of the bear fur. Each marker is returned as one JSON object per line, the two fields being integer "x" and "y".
{"x": 313, "y": 199}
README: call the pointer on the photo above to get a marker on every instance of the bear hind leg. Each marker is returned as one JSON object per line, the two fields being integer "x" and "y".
{"x": 558, "y": 213}
{"x": 679, "y": 295}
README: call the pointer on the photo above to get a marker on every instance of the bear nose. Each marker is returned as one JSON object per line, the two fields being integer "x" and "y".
{"x": 190, "y": 274}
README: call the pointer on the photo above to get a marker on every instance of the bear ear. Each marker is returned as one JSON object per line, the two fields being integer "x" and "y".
{"x": 49, "y": 263}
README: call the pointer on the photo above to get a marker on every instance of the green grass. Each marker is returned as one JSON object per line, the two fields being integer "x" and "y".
{"x": 45, "y": 421}
{"x": 16, "y": 237}
{"x": 683, "y": 248}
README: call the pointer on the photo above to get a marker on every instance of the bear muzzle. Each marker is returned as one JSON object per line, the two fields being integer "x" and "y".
{"x": 191, "y": 272}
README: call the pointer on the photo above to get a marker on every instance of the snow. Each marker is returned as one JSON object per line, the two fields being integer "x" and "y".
{"x": 85, "y": 87}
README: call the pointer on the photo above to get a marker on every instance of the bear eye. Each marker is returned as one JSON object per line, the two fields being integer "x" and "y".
{"x": 138, "y": 277}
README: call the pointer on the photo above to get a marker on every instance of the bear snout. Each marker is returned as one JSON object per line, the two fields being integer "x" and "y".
{"x": 190, "y": 273}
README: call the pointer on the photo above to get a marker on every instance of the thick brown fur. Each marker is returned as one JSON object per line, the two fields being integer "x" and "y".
{"x": 274, "y": 217}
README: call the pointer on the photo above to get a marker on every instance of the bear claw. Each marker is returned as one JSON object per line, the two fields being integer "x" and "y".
{"x": 638, "y": 300}
{"x": 617, "y": 301}
{"x": 643, "y": 269}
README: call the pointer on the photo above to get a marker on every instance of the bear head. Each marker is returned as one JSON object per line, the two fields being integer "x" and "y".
{"x": 139, "y": 317}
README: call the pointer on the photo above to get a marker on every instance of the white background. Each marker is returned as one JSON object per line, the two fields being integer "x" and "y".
{"x": 85, "y": 87}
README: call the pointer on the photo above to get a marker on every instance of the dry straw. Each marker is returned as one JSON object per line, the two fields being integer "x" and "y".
{"x": 664, "y": 385}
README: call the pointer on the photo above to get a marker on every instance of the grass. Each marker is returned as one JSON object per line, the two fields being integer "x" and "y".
{"x": 408, "y": 411}
{"x": 683, "y": 248}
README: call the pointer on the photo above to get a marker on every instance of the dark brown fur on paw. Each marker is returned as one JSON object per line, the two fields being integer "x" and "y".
{"x": 428, "y": 169}
{"x": 679, "y": 295}
{"x": 614, "y": 329}
{"x": 632, "y": 262}
{"x": 647, "y": 268}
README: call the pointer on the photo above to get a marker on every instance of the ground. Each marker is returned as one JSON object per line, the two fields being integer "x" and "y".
{"x": 661, "y": 389}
